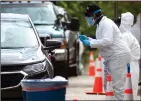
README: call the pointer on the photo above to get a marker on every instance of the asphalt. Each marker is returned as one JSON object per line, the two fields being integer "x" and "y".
{"x": 78, "y": 86}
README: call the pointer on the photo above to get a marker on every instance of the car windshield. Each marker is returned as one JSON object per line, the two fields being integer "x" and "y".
{"x": 17, "y": 34}
{"x": 39, "y": 15}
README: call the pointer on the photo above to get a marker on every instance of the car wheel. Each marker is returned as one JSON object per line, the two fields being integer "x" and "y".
{"x": 78, "y": 70}
{"x": 61, "y": 69}
{"x": 139, "y": 83}
{"x": 75, "y": 71}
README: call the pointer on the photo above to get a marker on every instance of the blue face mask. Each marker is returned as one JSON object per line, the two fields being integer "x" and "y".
{"x": 90, "y": 21}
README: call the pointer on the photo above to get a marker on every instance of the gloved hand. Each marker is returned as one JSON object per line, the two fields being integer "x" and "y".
{"x": 86, "y": 42}
{"x": 83, "y": 37}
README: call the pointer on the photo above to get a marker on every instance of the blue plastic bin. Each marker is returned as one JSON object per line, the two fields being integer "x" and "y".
{"x": 43, "y": 90}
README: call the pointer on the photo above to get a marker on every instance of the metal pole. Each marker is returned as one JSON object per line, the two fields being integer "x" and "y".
{"x": 116, "y": 9}
{"x": 140, "y": 58}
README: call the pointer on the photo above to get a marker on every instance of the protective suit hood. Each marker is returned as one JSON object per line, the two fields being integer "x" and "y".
{"x": 127, "y": 20}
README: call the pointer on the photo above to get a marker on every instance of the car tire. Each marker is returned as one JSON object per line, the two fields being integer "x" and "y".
{"x": 139, "y": 84}
{"x": 60, "y": 69}
{"x": 77, "y": 69}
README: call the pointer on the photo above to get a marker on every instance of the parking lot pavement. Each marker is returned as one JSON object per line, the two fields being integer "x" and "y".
{"x": 78, "y": 86}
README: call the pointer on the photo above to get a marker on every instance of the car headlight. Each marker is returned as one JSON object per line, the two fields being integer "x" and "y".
{"x": 35, "y": 68}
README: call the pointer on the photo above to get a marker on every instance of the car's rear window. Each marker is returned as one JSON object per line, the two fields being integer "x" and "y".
{"x": 38, "y": 14}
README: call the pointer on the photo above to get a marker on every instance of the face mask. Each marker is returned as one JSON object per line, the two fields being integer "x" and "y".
{"x": 90, "y": 21}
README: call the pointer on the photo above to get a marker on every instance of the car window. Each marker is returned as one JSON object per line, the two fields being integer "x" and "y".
{"x": 17, "y": 34}
{"x": 38, "y": 14}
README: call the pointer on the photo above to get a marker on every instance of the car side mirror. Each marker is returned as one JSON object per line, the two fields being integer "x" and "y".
{"x": 57, "y": 24}
{"x": 74, "y": 24}
{"x": 52, "y": 44}
{"x": 59, "y": 16}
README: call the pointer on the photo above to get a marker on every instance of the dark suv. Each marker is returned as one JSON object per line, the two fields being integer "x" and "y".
{"x": 22, "y": 54}
{"x": 44, "y": 16}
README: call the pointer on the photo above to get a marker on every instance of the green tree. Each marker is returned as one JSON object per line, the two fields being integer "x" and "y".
{"x": 76, "y": 9}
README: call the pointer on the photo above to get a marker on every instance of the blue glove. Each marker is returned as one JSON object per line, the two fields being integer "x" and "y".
{"x": 86, "y": 42}
{"x": 83, "y": 37}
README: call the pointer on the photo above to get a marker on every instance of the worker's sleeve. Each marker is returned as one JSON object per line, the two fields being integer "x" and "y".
{"x": 106, "y": 35}
{"x": 90, "y": 38}
{"x": 135, "y": 50}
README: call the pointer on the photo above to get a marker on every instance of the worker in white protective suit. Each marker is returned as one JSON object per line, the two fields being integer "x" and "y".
{"x": 136, "y": 31}
{"x": 125, "y": 23}
{"x": 112, "y": 45}
{"x": 136, "y": 28}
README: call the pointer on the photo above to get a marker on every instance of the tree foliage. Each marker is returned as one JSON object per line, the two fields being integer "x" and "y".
{"x": 76, "y": 9}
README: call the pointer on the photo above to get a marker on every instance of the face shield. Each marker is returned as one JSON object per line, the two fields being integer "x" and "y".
{"x": 90, "y": 21}
{"x": 91, "y": 17}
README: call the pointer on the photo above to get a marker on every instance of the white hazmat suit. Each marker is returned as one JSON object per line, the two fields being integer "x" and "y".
{"x": 136, "y": 31}
{"x": 136, "y": 28}
{"x": 115, "y": 51}
{"x": 125, "y": 28}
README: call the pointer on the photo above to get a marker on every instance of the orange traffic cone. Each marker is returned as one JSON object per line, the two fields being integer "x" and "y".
{"x": 109, "y": 92}
{"x": 91, "y": 65}
{"x": 128, "y": 92}
{"x": 98, "y": 82}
